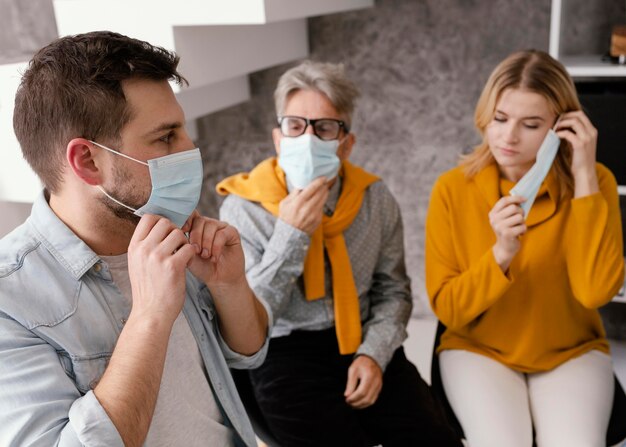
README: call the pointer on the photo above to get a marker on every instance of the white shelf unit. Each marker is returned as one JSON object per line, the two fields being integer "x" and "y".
{"x": 584, "y": 66}
{"x": 587, "y": 66}
{"x": 579, "y": 66}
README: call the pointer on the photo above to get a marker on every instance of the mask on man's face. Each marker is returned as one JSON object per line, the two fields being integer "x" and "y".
{"x": 307, "y": 157}
{"x": 528, "y": 186}
{"x": 176, "y": 185}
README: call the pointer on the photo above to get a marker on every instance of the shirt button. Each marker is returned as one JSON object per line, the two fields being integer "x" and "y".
{"x": 123, "y": 321}
{"x": 305, "y": 246}
{"x": 97, "y": 267}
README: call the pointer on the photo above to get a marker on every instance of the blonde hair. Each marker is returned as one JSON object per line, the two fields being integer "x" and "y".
{"x": 535, "y": 71}
{"x": 326, "y": 78}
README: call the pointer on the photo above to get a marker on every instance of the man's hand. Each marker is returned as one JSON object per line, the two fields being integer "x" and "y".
{"x": 220, "y": 259}
{"x": 365, "y": 380}
{"x": 304, "y": 208}
{"x": 158, "y": 255}
{"x": 219, "y": 262}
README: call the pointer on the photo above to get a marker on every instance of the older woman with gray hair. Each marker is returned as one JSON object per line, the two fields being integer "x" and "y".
{"x": 323, "y": 244}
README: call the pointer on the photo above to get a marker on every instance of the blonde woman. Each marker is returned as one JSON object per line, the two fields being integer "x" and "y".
{"x": 525, "y": 347}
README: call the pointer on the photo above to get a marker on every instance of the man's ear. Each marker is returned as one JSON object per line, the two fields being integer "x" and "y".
{"x": 80, "y": 157}
{"x": 277, "y": 136}
{"x": 345, "y": 148}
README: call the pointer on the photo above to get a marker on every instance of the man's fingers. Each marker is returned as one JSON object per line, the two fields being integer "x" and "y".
{"x": 208, "y": 238}
{"x": 224, "y": 237}
{"x": 185, "y": 254}
{"x": 172, "y": 242}
{"x": 203, "y": 233}
{"x": 144, "y": 227}
{"x": 196, "y": 233}
{"x": 188, "y": 224}
{"x": 161, "y": 229}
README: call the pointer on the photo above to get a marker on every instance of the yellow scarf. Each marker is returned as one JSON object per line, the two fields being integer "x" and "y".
{"x": 266, "y": 184}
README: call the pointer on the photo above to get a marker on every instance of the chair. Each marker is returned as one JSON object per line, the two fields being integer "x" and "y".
{"x": 246, "y": 392}
{"x": 436, "y": 384}
{"x": 616, "y": 432}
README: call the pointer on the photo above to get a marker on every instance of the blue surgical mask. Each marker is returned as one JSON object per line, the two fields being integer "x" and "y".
{"x": 176, "y": 185}
{"x": 307, "y": 157}
{"x": 528, "y": 186}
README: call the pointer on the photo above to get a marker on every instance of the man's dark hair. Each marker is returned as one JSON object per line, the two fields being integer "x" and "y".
{"x": 72, "y": 88}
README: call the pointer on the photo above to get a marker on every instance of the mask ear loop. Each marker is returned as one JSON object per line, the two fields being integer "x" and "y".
{"x": 125, "y": 156}
{"x": 115, "y": 200}
{"x": 119, "y": 153}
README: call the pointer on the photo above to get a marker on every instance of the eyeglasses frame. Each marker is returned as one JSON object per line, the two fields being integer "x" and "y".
{"x": 311, "y": 122}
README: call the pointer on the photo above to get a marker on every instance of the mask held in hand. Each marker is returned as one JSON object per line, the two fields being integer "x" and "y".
{"x": 528, "y": 186}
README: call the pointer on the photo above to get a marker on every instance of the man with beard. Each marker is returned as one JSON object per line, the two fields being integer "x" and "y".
{"x": 117, "y": 329}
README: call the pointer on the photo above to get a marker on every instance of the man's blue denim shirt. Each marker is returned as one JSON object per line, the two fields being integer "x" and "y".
{"x": 60, "y": 317}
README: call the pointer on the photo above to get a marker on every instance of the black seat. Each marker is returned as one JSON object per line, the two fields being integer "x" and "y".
{"x": 616, "y": 432}
{"x": 437, "y": 385}
{"x": 246, "y": 392}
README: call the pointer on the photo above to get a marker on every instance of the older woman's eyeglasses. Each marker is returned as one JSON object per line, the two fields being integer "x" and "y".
{"x": 324, "y": 128}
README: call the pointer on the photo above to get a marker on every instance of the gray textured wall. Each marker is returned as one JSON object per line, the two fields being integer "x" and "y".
{"x": 13, "y": 214}
{"x": 586, "y": 26}
{"x": 25, "y": 26}
{"x": 420, "y": 65}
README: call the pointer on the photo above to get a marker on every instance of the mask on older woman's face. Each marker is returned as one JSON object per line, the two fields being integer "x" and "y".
{"x": 307, "y": 157}
{"x": 528, "y": 186}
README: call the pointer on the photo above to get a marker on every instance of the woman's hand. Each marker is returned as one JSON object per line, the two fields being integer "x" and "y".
{"x": 507, "y": 221}
{"x": 575, "y": 128}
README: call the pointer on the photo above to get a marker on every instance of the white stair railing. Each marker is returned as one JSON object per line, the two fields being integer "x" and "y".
{"x": 220, "y": 43}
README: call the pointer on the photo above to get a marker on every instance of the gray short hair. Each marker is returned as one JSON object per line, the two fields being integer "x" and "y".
{"x": 329, "y": 79}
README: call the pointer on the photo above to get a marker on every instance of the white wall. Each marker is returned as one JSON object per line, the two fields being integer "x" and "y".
{"x": 11, "y": 215}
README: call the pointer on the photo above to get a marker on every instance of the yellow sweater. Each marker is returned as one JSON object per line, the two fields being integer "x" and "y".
{"x": 543, "y": 311}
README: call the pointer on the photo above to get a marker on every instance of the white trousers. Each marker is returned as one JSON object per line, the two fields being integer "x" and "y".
{"x": 568, "y": 406}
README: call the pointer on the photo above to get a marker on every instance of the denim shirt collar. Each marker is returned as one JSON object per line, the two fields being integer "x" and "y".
{"x": 66, "y": 247}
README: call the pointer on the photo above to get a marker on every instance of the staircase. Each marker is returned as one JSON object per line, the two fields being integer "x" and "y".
{"x": 220, "y": 43}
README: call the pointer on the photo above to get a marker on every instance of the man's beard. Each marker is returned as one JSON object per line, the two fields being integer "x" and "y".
{"x": 126, "y": 194}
